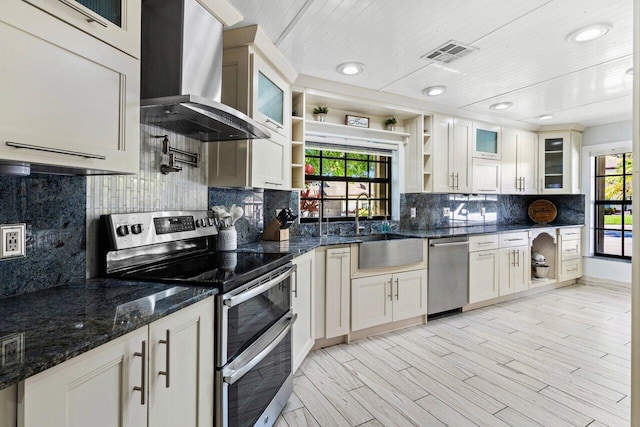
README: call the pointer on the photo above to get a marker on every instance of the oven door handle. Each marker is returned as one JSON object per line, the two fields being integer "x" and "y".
{"x": 235, "y": 375}
{"x": 253, "y": 292}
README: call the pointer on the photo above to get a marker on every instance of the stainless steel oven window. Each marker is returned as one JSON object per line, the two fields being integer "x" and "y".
{"x": 247, "y": 312}
{"x": 254, "y": 388}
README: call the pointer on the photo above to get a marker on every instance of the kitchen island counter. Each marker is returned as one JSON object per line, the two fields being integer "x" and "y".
{"x": 39, "y": 330}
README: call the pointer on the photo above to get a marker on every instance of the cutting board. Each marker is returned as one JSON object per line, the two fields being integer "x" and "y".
{"x": 542, "y": 211}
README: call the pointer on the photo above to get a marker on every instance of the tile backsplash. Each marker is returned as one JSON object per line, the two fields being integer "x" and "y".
{"x": 53, "y": 207}
{"x": 150, "y": 190}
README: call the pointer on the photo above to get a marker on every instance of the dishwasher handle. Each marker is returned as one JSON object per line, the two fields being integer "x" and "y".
{"x": 436, "y": 245}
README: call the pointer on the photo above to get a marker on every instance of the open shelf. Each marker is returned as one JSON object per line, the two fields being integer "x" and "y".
{"x": 298, "y": 103}
{"x": 344, "y": 131}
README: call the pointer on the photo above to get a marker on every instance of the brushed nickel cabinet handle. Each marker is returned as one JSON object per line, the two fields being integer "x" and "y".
{"x": 55, "y": 150}
{"x": 397, "y": 288}
{"x": 486, "y": 255}
{"x": 524, "y": 183}
{"x": 457, "y": 180}
{"x": 167, "y": 343}
{"x": 273, "y": 183}
{"x": 390, "y": 289}
{"x": 90, "y": 17}
{"x": 276, "y": 124}
{"x": 142, "y": 388}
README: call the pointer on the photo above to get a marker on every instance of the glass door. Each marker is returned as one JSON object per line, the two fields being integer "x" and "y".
{"x": 553, "y": 163}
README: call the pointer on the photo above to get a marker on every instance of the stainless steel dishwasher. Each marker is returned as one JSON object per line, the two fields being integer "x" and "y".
{"x": 448, "y": 274}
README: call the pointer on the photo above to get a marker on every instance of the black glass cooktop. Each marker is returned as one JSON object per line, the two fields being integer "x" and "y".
{"x": 224, "y": 270}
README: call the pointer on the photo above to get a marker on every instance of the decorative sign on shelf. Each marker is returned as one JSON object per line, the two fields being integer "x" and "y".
{"x": 542, "y": 211}
{"x": 360, "y": 122}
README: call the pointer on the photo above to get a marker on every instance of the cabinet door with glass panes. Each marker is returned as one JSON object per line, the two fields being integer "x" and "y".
{"x": 559, "y": 162}
{"x": 339, "y": 184}
{"x": 115, "y": 22}
{"x": 269, "y": 91}
{"x": 487, "y": 141}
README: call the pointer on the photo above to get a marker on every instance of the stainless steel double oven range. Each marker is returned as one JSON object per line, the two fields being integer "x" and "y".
{"x": 253, "y": 305}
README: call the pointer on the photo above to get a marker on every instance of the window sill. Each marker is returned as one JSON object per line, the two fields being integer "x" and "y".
{"x": 606, "y": 258}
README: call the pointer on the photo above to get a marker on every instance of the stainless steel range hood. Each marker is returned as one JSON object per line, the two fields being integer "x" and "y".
{"x": 181, "y": 74}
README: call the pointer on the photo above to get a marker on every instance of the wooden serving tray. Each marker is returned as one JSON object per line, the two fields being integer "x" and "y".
{"x": 542, "y": 211}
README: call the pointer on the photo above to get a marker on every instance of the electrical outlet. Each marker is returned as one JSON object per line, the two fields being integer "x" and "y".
{"x": 446, "y": 212}
{"x": 413, "y": 212}
{"x": 483, "y": 211}
{"x": 13, "y": 240}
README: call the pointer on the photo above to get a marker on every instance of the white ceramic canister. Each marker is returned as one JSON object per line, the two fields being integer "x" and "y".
{"x": 227, "y": 239}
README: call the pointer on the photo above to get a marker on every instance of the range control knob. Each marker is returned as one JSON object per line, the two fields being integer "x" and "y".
{"x": 211, "y": 222}
{"x": 200, "y": 223}
{"x": 122, "y": 230}
{"x": 136, "y": 228}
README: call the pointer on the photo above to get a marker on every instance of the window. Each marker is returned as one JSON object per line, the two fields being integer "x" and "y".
{"x": 335, "y": 180}
{"x": 613, "y": 212}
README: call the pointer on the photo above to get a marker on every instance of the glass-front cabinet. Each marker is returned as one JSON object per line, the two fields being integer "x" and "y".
{"x": 559, "y": 162}
{"x": 115, "y": 22}
{"x": 487, "y": 141}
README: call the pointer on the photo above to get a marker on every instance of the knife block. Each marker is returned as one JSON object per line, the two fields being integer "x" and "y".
{"x": 273, "y": 232}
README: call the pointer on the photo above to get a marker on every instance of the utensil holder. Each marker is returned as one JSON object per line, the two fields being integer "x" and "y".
{"x": 273, "y": 232}
{"x": 227, "y": 239}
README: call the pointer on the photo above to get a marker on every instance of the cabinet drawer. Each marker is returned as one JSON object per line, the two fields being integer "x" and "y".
{"x": 571, "y": 269}
{"x": 484, "y": 242}
{"x": 570, "y": 249}
{"x": 120, "y": 26}
{"x": 570, "y": 233}
{"x": 510, "y": 240}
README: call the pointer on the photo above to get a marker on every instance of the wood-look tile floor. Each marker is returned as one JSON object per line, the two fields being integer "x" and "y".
{"x": 559, "y": 358}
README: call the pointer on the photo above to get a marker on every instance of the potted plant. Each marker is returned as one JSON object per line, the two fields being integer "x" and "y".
{"x": 320, "y": 113}
{"x": 391, "y": 123}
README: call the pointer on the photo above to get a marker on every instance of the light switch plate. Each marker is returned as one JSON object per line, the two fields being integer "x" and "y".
{"x": 446, "y": 212}
{"x": 413, "y": 212}
{"x": 12, "y": 239}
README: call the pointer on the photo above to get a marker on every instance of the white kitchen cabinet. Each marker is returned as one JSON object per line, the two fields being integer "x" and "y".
{"x": 418, "y": 155}
{"x": 120, "y": 383}
{"x": 253, "y": 84}
{"x": 486, "y": 176}
{"x": 181, "y": 369}
{"x": 303, "y": 304}
{"x": 74, "y": 99}
{"x": 8, "y": 406}
{"x": 569, "y": 254}
{"x": 514, "y": 271}
{"x": 484, "y": 275}
{"x": 106, "y": 386}
{"x": 519, "y": 154}
{"x": 487, "y": 141}
{"x": 385, "y": 298}
{"x": 116, "y": 22}
{"x": 559, "y": 162}
{"x": 337, "y": 292}
{"x": 451, "y": 154}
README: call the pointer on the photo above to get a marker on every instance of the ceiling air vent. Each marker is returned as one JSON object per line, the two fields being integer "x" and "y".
{"x": 449, "y": 52}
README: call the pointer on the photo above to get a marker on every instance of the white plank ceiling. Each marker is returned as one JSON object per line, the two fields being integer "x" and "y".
{"x": 522, "y": 56}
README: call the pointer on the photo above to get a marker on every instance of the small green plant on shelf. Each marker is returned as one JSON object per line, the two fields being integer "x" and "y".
{"x": 321, "y": 110}
{"x": 391, "y": 123}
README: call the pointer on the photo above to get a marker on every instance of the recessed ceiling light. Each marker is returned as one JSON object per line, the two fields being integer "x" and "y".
{"x": 546, "y": 117}
{"x": 350, "y": 68}
{"x": 434, "y": 90}
{"x": 630, "y": 71}
{"x": 586, "y": 34}
{"x": 501, "y": 106}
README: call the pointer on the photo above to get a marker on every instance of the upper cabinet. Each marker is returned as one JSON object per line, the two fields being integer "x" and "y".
{"x": 559, "y": 162}
{"x": 256, "y": 80}
{"x": 116, "y": 22}
{"x": 74, "y": 100}
{"x": 487, "y": 141}
{"x": 451, "y": 154}
{"x": 519, "y": 154}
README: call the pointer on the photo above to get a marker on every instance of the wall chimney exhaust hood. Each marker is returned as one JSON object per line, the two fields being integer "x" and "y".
{"x": 181, "y": 74}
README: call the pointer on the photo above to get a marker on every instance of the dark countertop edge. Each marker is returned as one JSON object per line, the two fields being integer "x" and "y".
{"x": 11, "y": 379}
{"x": 299, "y": 245}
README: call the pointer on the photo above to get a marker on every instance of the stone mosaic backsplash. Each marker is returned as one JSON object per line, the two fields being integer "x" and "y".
{"x": 54, "y": 208}
{"x": 250, "y": 225}
{"x": 149, "y": 190}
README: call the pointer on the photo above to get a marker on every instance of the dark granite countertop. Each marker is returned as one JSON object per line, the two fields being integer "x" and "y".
{"x": 299, "y": 245}
{"x": 44, "y": 328}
